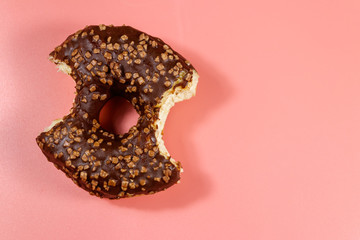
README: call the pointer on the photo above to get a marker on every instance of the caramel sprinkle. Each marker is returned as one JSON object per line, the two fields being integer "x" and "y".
{"x": 108, "y": 55}
{"x": 103, "y": 174}
{"x": 112, "y": 182}
{"x": 116, "y": 46}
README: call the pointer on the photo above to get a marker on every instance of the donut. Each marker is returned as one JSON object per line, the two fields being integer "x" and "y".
{"x": 108, "y": 61}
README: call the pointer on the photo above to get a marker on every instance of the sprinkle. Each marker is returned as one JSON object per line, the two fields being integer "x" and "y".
{"x": 89, "y": 67}
{"x": 83, "y": 175}
{"x": 128, "y": 75}
{"x": 110, "y": 47}
{"x": 142, "y": 182}
{"x": 132, "y": 185}
{"x": 112, "y": 182}
{"x": 93, "y": 88}
{"x": 103, "y": 97}
{"x": 96, "y": 38}
{"x": 166, "y": 179}
{"x": 160, "y": 67}
{"x": 138, "y": 151}
{"x": 167, "y": 83}
{"x": 124, "y": 185}
{"x": 108, "y": 55}
{"x": 116, "y": 46}
{"x": 103, "y": 174}
{"x": 102, "y": 27}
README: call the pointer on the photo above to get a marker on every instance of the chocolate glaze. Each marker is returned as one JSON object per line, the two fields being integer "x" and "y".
{"x": 109, "y": 61}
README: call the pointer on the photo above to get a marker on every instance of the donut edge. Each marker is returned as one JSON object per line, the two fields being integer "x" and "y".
{"x": 170, "y": 97}
{"x": 62, "y": 66}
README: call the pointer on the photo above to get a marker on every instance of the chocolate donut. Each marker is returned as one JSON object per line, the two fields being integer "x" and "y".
{"x": 108, "y": 61}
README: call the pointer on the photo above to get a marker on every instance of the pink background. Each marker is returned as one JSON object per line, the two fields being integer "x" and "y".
{"x": 270, "y": 144}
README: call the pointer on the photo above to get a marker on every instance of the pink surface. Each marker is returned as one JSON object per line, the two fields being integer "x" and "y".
{"x": 270, "y": 144}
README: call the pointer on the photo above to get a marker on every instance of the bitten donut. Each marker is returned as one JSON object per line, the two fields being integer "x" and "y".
{"x": 108, "y": 61}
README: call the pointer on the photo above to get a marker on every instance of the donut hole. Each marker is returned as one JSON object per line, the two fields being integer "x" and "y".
{"x": 118, "y": 115}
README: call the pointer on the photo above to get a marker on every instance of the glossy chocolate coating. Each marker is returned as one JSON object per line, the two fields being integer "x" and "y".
{"x": 108, "y": 61}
